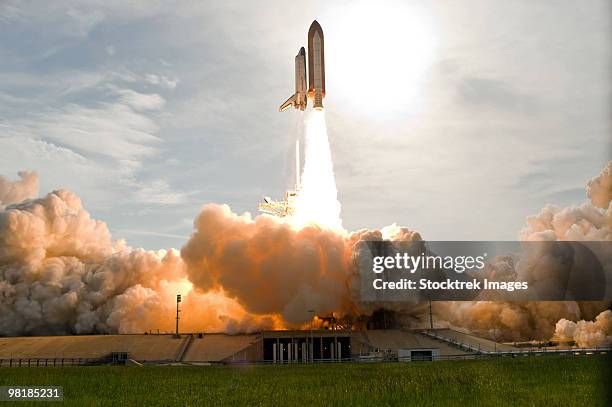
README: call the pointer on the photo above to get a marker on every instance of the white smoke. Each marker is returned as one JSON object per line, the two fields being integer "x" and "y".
{"x": 599, "y": 189}
{"x": 60, "y": 273}
{"x": 17, "y": 191}
{"x": 590, "y": 221}
{"x": 587, "y": 333}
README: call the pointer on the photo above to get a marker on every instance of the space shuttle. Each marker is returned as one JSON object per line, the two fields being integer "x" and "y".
{"x": 298, "y": 99}
{"x": 316, "y": 73}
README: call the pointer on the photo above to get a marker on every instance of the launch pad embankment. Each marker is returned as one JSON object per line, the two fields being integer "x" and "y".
{"x": 288, "y": 346}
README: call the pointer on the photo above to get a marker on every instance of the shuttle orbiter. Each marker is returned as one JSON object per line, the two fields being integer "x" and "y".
{"x": 316, "y": 72}
{"x": 298, "y": 100}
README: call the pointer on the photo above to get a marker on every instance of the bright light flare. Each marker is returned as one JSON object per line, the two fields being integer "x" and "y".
{"x": 377, "y": 56}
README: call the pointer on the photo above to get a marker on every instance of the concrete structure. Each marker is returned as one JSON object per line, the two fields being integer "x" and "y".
{"x": 468, "y": 342}
{"x": 304, "y": 346}
{"x": 289, "y": 346}
{"x": 139, "y": 347}
{"x": 396, "y": 343}
{"x": 410, "y": 355}
{"x": 223, "y": 348}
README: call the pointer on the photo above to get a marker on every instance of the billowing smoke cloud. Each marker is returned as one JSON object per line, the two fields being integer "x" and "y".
{"x": 587, "y": 333}
{"x": 599, "y": 189}
{"x": 514, "y": 321}
{"x": 591, "y": 220}
{"x": 266, "y": 265}
{"x": 270, "y": 267}
{"x": 60, "y": 273}
{"x": 17, "y": 191}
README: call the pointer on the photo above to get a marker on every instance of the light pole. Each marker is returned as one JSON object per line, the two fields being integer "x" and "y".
{"x": 495, "y": 340}
{"x": 311, "y": 347}
{"x": 178, "y": 300}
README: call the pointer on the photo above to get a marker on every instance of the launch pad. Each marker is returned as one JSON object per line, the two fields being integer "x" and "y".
{"x": 283, "y": 346}
{"x": 287, "y": 206}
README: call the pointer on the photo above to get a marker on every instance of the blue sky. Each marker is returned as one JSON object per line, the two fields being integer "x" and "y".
{"x": 456, "y": 120}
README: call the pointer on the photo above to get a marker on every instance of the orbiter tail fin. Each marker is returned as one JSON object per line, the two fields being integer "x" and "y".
{"x": 288, "y": 103}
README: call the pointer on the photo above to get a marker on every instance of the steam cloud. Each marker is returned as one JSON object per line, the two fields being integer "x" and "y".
{"x": 272, "y": 268}
{"x": 515, "y": 321}
{"x": 17, "y": 191}
{"x": 61, "y": 272}
{"x": 587, "y": 333}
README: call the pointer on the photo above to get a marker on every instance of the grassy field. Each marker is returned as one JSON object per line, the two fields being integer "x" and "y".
{"x": 533, "y": 381}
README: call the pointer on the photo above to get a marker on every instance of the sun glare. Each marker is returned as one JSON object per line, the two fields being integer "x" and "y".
{"x": 377, "y": 56}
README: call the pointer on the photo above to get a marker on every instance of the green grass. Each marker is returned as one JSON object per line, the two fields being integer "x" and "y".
{"x": 525, "y": 381}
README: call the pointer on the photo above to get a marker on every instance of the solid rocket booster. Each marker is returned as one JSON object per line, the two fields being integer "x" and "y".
{"x": 298, "y": 99}
{"x": 316, "y": 73}
{"x": 316, "y": 65}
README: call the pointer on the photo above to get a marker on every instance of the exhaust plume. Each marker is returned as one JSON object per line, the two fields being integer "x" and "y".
{"x": 317, "y": 202}
{"x": 61, "y": 273}
{"x": 268, "y": 266}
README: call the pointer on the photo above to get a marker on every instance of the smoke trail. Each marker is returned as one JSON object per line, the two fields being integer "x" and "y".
{"x": 317, "y": 201}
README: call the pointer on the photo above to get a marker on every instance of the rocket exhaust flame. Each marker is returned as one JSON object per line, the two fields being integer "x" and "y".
{"x": 317, "y": 201}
